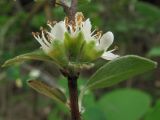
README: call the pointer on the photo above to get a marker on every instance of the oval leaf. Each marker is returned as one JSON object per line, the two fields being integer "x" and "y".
{"x": 118, "y": 70}
{"x": 36, "y": 55}
{"x": 122, "y": 104}
{"x": 50, "y": 91}
{"x": 153, "y": 113}
{"x": 154, "y": 52}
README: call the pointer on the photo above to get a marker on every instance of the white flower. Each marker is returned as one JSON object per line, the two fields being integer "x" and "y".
{"x": 105, "y": 42}
{"x": 57, "y": 32}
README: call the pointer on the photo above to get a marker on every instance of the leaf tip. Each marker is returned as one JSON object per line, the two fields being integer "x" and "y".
{"x": 155, "y": 64}
{"x": 29, "y": 82}
{"x": 4, "y": 64}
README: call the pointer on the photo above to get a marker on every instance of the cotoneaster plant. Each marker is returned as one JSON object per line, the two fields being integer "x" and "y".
{"x": 73, "y": 46}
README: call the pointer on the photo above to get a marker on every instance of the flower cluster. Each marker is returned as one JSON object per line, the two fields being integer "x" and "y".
{"x": 75, "y": 42}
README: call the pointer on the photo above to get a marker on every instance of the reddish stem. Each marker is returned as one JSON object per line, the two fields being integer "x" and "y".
{"x": 73, "y": 91}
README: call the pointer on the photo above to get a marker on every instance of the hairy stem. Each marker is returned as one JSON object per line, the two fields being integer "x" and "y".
{"x": 73, "y": 92}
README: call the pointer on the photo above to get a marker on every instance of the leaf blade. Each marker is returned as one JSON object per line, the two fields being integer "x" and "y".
{"x": 118, "y": 70}
{"x": 49, "y": 91}
{"x": 35, "y": 55}
{"x": 120, "y": 104}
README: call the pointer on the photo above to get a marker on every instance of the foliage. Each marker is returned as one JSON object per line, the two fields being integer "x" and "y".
{"x": 118, "y": 70}
{"x": 154, "y": 52}
{"x": 119, "y": 104}
{"x": 131, "y": 21}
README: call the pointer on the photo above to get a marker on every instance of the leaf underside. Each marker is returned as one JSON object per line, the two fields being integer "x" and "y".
{"x": 49, "y": 91}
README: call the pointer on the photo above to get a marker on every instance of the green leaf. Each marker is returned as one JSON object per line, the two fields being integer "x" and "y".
{"x": 125, "y": 104}
{"x": 154, "y": 52}
{"x": 91, "y": 110}
{"x": 118, "y": 70}
{"x": 147, "y": 10}
{"x": 53, "y": 115}
{"x": 50, "y": 91}
{"x": 36, "y": 55}
{"x": 153, "y": 114}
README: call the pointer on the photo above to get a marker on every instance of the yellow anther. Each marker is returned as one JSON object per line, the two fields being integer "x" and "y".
{"x": 66, "y": 21}
{"x": 33, "y": 33}
{"x": 79, "y": 18}
{"x": 41, "y": 28}
{"x": 98, "y": 34}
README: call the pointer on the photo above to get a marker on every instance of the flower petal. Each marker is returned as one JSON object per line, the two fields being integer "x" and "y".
{"x": 105, "y": 41}
{"x": 86, "y": 29}
{"x": 109, "y": 56}
{"x": 58, "y": 30}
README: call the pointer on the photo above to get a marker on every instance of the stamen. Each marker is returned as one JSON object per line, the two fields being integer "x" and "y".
{"x": 43, "y": 32}
{"x": 49, "y": 38}
{"x": 93, "y": 31}
{"x": 99, "y": 34}
{"x": 54, "y": 22}
{"x": 37, "y": 33}
{"x": 51, "y": 22}
{"x": 41, "y": 28}
{"x": 115, "y": 48}
{"x": 68, "y": 27}
{"x": 45, "y": 40}
{"x": 79, "y": 18}
{"x": 42, "y": 41}
{"x": 50, "y": 26}
{"x": 50, "y": 35}
{"x": 66, "y": 21}
{"x": 33, "y": 33}
{"x": 73, "y": 26}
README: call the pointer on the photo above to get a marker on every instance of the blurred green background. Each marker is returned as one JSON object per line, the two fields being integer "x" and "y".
{"x": 136, "y": 27}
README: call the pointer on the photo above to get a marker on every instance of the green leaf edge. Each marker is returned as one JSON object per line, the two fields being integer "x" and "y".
{"x": 135, "y": 56}
{"x": 49, "y": 88}
{"x": 27, "y": 56}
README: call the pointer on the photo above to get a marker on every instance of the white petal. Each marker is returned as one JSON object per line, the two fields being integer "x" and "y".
{"x": 87, "y": 26}
{"x": 86, "y": 29}
{"x": 106, "y": 40}
{"x": 109, "y": 56}
{"x": 58, "y": 30}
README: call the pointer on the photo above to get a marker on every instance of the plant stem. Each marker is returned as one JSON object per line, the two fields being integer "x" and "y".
{"x": 73, "y": 92}
{"x": 72, "y": 10}
{"x": 72, "y": 80}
